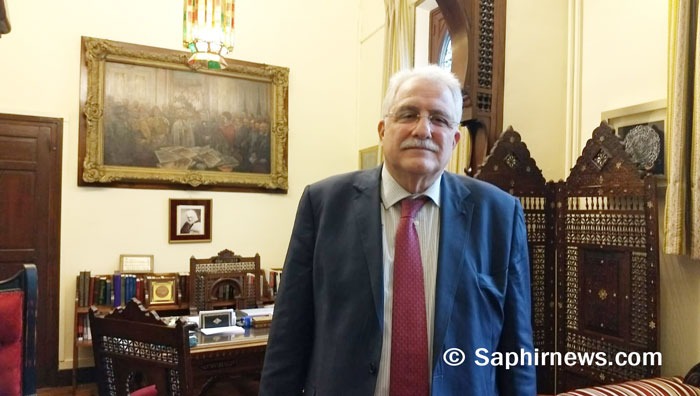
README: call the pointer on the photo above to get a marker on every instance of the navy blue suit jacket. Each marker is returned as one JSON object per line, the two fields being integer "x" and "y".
{"x": 326, "y": 334}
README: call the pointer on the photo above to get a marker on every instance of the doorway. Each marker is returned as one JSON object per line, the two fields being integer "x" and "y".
{"x": 30, "y": 209}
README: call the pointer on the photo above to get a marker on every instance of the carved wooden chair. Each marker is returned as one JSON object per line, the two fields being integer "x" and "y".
{"x": 18, "y": 299}
{"x": 136, "y": 353}
{"x": 226, "y": 280}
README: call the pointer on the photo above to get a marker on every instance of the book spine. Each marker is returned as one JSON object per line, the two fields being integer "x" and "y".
{"x": 273, "y": 282}
{"x": 139, "y": 289}
{"x": 117, "y": 287}
{"x": 109, "y": 296}
{"x": 130, "y": 289}
{"x": 122, "y": 292}
{"x": 78, "y": 282}
{"x": 100, "y": 291}
{"x": 91, "y": 292}
{"x": 81, "y": 289}
{"x": 87, "y": 334}
{"x": 250, "y": 285}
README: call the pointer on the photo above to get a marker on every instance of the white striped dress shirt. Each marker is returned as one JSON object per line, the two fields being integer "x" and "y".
{"x": 428, "y": 227}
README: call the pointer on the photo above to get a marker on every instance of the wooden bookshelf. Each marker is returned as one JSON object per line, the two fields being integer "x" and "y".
{"x": 168, "y": 296}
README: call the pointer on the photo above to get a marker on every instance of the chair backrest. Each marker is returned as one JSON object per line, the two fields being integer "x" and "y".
{"x": 18, "y": 299}
{"x": 225, "y": 280}
{"x": 134, "y": 350}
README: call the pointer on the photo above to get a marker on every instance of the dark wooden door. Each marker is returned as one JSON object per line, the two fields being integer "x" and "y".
{"x": 30, "y": 202}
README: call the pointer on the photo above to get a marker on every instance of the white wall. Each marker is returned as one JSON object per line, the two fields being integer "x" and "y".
{"x": 534, "y": 98}
{"x": 623, "y": 56}
{"x": 316, "y": 39}
{"x": 370, "y": 71}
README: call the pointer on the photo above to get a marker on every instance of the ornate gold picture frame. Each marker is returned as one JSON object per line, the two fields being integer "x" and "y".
{"x": 162, "y": 289}
{"x": 148, "y": 121}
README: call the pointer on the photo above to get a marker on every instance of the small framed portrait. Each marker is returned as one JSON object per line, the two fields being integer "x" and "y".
{"x": 161, "y": 289}
{"x": 190, "y": 220}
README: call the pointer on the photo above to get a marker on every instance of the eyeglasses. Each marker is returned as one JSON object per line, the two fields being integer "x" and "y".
{"x": 409, "y": 116}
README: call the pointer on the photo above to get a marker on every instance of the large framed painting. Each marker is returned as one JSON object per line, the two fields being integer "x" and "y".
{"x": 148, "y": 121}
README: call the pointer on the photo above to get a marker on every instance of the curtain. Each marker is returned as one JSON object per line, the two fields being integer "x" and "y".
{"x": 399, "y": 37}
{"x": 682, "y": 217}
{"x": 462, "y": 153}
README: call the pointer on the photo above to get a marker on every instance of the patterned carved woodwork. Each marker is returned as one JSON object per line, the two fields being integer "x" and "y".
{"x": 225, "y": 280}
{"x": 477, "y": 29}
{"x": 510, "y": 167}
{"x": 598, "y": 232}
{"x": 607, "y": 242}
{"x": 133, "y": 349}
{"x": 486, "y": 78}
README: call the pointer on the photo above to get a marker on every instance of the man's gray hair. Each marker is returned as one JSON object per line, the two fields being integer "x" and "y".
{"x": 431, "y": 72}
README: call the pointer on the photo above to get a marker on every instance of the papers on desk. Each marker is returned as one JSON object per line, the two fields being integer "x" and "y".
{"x": 222, "y": 330}
{"x": 267, "y": 311}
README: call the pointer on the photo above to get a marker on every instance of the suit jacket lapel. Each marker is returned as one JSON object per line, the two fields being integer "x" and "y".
{"x": 367, "y": 212}
{"x": 455, "y": 219}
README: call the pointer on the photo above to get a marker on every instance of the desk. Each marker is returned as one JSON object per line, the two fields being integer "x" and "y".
{"x": 228, "y": 364}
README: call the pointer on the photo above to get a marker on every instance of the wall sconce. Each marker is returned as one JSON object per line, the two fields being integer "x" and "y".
{"x": 208, "y": 32}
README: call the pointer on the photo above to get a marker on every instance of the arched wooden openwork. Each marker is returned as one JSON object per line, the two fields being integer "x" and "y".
{"x": 478, "y": 29}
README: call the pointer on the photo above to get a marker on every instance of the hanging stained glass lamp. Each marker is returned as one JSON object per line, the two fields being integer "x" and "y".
{"x": 208, "y": 32}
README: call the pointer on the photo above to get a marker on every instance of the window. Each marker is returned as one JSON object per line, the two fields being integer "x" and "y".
{"x": 445, "y": 57}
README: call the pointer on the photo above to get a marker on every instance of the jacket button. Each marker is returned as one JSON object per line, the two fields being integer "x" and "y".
{"x": 372, "y": 368}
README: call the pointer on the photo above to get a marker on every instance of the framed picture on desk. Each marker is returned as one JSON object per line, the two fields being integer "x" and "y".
{"x": 162, "y": 290}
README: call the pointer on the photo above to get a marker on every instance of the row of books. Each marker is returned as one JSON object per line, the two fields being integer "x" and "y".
{"x": 112, "y": 290}
{"x": 274, "y": 280}
{"x": 115, "y": 290}
{"x": 84, "y": 328}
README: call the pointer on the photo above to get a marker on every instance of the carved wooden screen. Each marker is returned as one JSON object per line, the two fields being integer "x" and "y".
{"x": 510, "y": 167}
{"x": 608, "y": 273}
{"x": 603, "y": 251}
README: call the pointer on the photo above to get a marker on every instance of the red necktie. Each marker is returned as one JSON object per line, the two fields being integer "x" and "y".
{"x": 409, "y": 338}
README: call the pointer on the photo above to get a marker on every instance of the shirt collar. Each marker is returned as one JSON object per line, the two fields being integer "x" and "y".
{"x": 392, "y": 192}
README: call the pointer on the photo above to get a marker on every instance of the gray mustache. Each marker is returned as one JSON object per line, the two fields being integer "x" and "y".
{"x": 419, "y": 143}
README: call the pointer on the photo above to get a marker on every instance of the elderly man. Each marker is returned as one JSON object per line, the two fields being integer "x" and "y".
{"x": 405, "y": 279}
{"x": 192, "y": 225}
